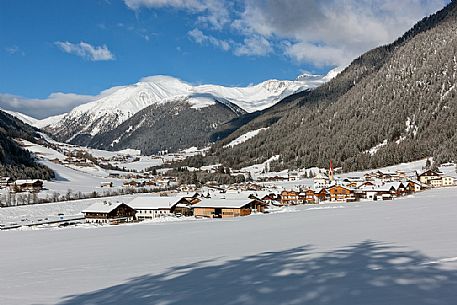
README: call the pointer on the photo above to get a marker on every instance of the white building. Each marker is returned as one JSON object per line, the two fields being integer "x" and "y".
{"x": 149, "y": 207}
{"x": 321, "y": 181}
{"x": 442, "y": 181}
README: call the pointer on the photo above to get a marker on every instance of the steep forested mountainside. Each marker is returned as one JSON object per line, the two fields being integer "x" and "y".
{"x": 16, "y": 162}
{"x": 394, "y": 104}
{"x": 169, "y": 126}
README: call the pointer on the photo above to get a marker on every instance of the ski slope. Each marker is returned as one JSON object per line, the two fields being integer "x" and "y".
{"x": 400, "y": 252}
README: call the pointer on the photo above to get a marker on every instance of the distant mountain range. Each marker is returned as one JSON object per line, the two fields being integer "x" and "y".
{"x": 165, "y": 113}
{"x": 396, "y": 103}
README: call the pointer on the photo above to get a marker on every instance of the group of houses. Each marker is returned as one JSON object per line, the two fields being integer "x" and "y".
{"x": 150, "y": 207}
{"x": 21, "y": 185}
{"x": 216, "y": 202}
{"x": 372, "y": 186}
{"x": 156, "y": 182}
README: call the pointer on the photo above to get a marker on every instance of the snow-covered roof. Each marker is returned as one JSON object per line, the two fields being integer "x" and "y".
{"x": 153, "y": 203}
{"x": 395, "y": 184}
{"x": 222, "y": 203}
{"x": 27, "y": 181}
{"x": 102, "y": 207}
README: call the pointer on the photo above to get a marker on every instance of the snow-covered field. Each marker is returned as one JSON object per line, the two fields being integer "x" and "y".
{"x": 400, "y": 252}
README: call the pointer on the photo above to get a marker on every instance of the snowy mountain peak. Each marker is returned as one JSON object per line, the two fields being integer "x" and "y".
{"x": 116, "y": 105}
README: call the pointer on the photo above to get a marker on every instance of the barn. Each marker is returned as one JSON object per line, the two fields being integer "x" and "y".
{"x": 223, "y": 208}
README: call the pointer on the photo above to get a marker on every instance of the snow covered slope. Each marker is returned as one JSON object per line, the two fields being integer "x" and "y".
{"x": 398, "y": 252}
{"x": 23, "y": 117}
{"x": 118, "y": 104}
{"x": 48, "y": 121}
{"x": 244, "y": 137}
{"x": 35, "y": 122}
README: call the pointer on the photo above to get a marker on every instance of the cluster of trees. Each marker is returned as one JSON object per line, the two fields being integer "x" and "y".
{"x": 221, "y": 176}
{"x": 404, "y": 93}
{"x": 13, "y": 199}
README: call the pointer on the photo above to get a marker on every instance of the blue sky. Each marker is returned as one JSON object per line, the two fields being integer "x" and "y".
{"x": 86, "y": 46}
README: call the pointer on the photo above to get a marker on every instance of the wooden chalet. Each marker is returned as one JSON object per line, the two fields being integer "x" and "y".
{"x": 352, "y": 184}
{"x": 272, "y": 199}
{"x": 413, "y": 186}
{"x": 339, "y": 193}
{"x": 258, "y": 206}
{"x": 289, "y": 198}
{"x": 321, "y": 195}
{"x": 224, "y": 208}
{"x": 109, "y": 213}
{"x": 310, "y": 196}
{"x": 184, "y": 206}
{"x": 367, "y": 183}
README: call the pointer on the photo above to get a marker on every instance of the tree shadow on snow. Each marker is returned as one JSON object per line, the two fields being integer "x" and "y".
{"x": 366, "y": 273}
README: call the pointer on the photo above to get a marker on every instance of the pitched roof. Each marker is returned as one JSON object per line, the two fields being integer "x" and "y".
{"x": 222, "y": 203}
{"x": 102, "y": 207}
{"x": 27, "y": 181}
{"x": 153, "y": 203}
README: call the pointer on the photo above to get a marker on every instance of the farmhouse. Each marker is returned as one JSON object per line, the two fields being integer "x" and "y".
{"x": 427, "y": 176}
{"x": 223, "y": 208}
{"x": 107, "y": 184}
{"x": 33, "y": 186}
{"x": 272, "y": 199}
{"x": 109, "y": 213}
{"x": 149, "y": 207}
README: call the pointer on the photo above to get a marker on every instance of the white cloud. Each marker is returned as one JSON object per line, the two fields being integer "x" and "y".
{"x": 55, "y": 103}
{"x": 211, "y": 12}
{"x": 320, "y": 32}
{"x": 331, "y": 32}
{"x": 199, "y": 37}
{"x": 86, "y": 50}
{"x": 318, "y": 55}
{"x": 254, "y": 46}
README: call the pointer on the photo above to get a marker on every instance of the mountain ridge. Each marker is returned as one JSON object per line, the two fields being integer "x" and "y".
{"x": 119, "y": 104}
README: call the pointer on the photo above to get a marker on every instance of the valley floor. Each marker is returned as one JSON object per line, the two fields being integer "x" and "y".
{"x": 399, "y": 252}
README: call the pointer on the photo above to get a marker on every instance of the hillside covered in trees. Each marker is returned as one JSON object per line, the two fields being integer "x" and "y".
{"x": 394, "y": 104}
{"x": 16, "y": 162}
